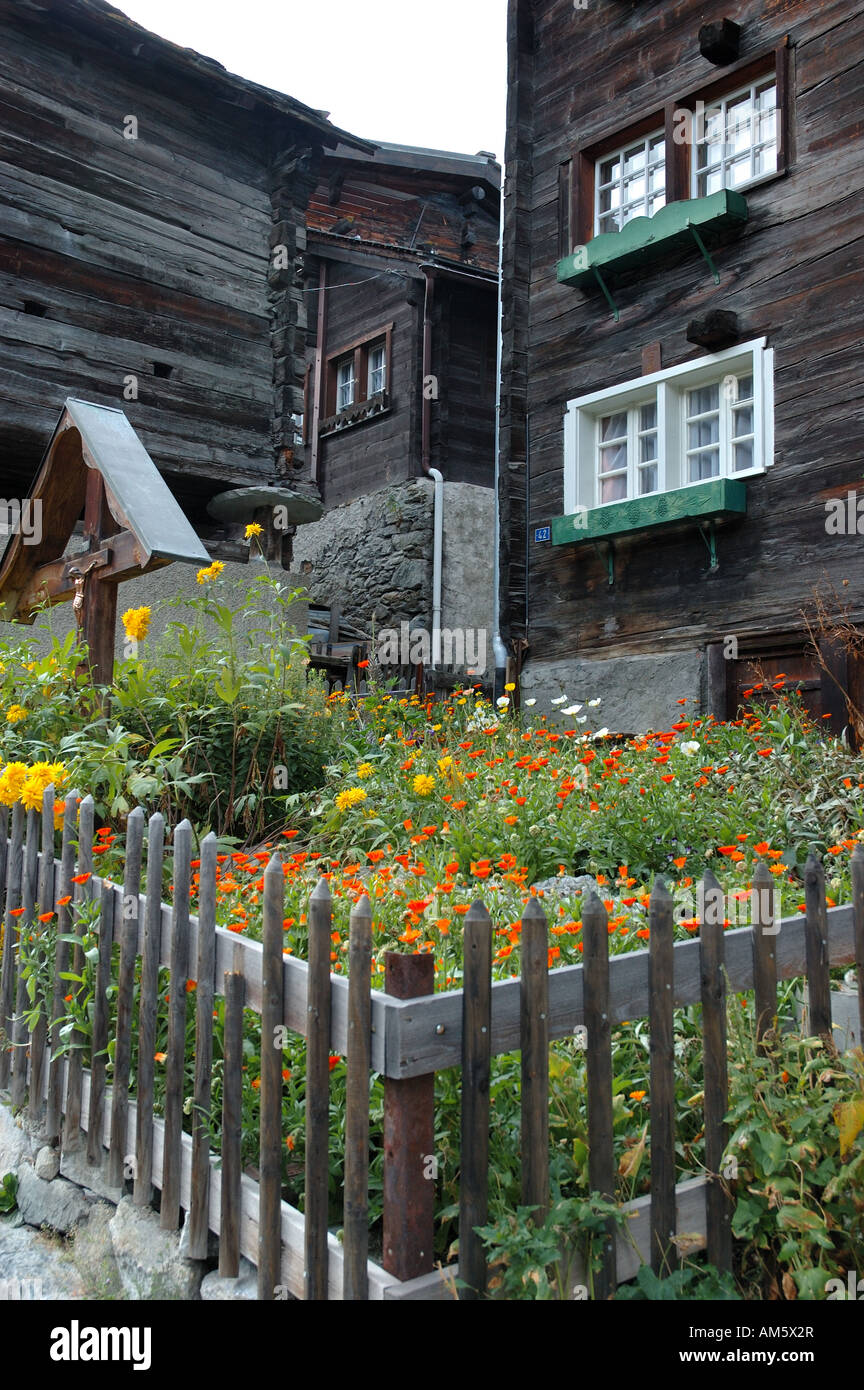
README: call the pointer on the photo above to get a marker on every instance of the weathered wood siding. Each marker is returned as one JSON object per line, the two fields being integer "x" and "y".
{"x": 464, "y": 360}
{"x": 794, "y": 275}
{"x": 118, "y": 254}
{"x": 388, "y": 207}
{"x": 386, "y": 448}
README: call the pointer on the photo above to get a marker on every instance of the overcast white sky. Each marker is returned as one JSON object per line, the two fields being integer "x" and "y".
{"x": 416, "y": 74}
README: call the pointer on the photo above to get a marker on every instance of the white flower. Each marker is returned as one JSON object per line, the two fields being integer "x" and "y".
{"x": 503, "y": 701}
{"x": 559, "y": 700}
{"x": 572, "y": 709}
{"x": 593, "y": 704}
{"x": 529, "y": 703}
{"x": 583, "y": 719}
{"x": 688, "y": 749}
{"x": 601, "y": 733}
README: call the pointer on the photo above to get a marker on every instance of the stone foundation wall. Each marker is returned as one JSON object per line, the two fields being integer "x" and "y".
{"x": 637, "y": 693}
{"x": 373, "y": 556}
{"x": 74, "y": 1237}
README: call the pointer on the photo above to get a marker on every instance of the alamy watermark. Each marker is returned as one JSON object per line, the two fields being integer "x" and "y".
{"x": 462, "y": 647}
{"x": 21, "y": 518}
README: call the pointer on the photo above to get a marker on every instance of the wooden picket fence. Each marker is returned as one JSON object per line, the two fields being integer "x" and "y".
{"x": 406, "y": 1034}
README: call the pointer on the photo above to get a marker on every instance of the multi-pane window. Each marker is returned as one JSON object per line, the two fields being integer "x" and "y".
{"x": 345, "y": 383}
{"x": 720, "y": 433}
{"x": 631, "y": 182}
{"x": 627, "y": 453}
{"x": 736, "y": 139}
{"x": 708, "y": 418}
{"x": 377, "y": 370}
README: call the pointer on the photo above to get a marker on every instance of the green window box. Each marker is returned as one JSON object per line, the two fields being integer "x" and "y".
{"x": 644, "y": 237}
{"x": 717, "y": 500}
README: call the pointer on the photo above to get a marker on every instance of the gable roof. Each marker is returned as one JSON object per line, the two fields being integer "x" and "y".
{"x": 140, "y": 501}
{"x": 103, "y": 22}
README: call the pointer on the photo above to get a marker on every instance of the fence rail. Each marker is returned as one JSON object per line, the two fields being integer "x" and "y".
{"x": 405, "y": 1034}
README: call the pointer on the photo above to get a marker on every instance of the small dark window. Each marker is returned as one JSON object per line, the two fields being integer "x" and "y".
{"x": 162, "y": 369}
{"x": 37, "y": 310}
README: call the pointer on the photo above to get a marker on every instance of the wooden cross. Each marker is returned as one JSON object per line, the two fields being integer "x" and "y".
{"x": 133, "y": 529}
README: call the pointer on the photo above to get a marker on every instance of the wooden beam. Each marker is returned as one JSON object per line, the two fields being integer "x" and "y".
{"x": 119, "y": 558}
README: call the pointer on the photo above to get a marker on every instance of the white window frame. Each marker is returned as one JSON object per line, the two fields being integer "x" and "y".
{"x": 382, "y": 348}
{"x": 728, "y": 154}
{"x": 350, "y": 381}
{"x": 618, "y": 154}
{"x": 669, "y": 387}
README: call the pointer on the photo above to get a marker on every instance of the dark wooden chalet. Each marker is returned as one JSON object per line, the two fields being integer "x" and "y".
{"x": 152, "y": 233}
{"x": 682, "y": 411}
{"x": 403, "y": 258}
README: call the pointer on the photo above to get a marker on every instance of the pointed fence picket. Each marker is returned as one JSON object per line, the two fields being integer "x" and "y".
{"x": 408, "y": 1035}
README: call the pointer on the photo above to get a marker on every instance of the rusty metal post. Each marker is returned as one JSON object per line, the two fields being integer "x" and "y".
{"x": 409, "y": 1137}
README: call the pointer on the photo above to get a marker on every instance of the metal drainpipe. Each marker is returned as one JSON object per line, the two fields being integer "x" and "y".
{"x": 498, "y": 648}
{"x": 433, "y": 473}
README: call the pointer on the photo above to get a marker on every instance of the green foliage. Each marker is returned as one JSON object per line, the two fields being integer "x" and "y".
{"x": 214, "y": 720}
{"x": 797, "y": 1117}
{"x": 540, "y": 1261}
{"x": 691, "y": 1282}
{"x": 9, "y": 1192}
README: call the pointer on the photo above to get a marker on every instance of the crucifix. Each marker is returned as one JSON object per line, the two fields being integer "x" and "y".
{"x": 132, "y": 525}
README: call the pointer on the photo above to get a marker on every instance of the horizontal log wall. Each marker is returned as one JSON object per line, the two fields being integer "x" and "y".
{"x": 118, "y": 254}
{"x": 792, "y": 274}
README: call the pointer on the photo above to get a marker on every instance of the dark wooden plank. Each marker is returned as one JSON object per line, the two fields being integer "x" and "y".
{"x": 858, "y": 910}
{"x": 664, "y": 1257}
{"x": 715, "y": 1069}
{"x": 175, "y": 1064}
{"x": 148, "y": 1001}
{"x": 816, "y": 935}
{"x": 355, "y": 1285}
{"x": 54, "y": 1106}
{"x": 601, "y": 1153}
{"x": 18, "y": 1088}
{"x": 416, "y": 1043}
{"x": 474, "y": 1143}
{"x": 764, "y": 953}
{"x": 270, "y": 1161}
{"x": 8, "y": 979}
{"x": 204, "y": 997}
{"x": 128, "y": 937}
{"x": 534, "y": 1040}
{"x": 99, "y": 1049}
{"x": 42, "y": 932}
{"x": 409, "y": 1139}
{"x": 83, "y": 894}
{"x": 232, "y": 1126}
{"x": 318, "y": 1093}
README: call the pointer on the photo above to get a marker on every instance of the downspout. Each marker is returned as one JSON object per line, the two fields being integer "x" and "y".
{"x": 499, "y": 650}
{"x": 433, "y": 473}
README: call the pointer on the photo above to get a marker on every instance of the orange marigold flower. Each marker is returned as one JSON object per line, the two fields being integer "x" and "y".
{"x": 45, "y": 916}
{"x": 159, "y": 1056}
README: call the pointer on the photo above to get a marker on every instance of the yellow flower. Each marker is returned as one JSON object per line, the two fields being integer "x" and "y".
{"x": 350, "y": 797}
{"x": 365, "y": 770}
{"x": 423, "y": 785}
{"x": 136, "y": 622}
{"x": 212, "y": 572}
{"x": 37, "y": 779}
{"x": 253, "y": 529}
{"x": 15, "y": 713}
{"x": 510, "y": 686}
{"x": 12, "y": 779}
